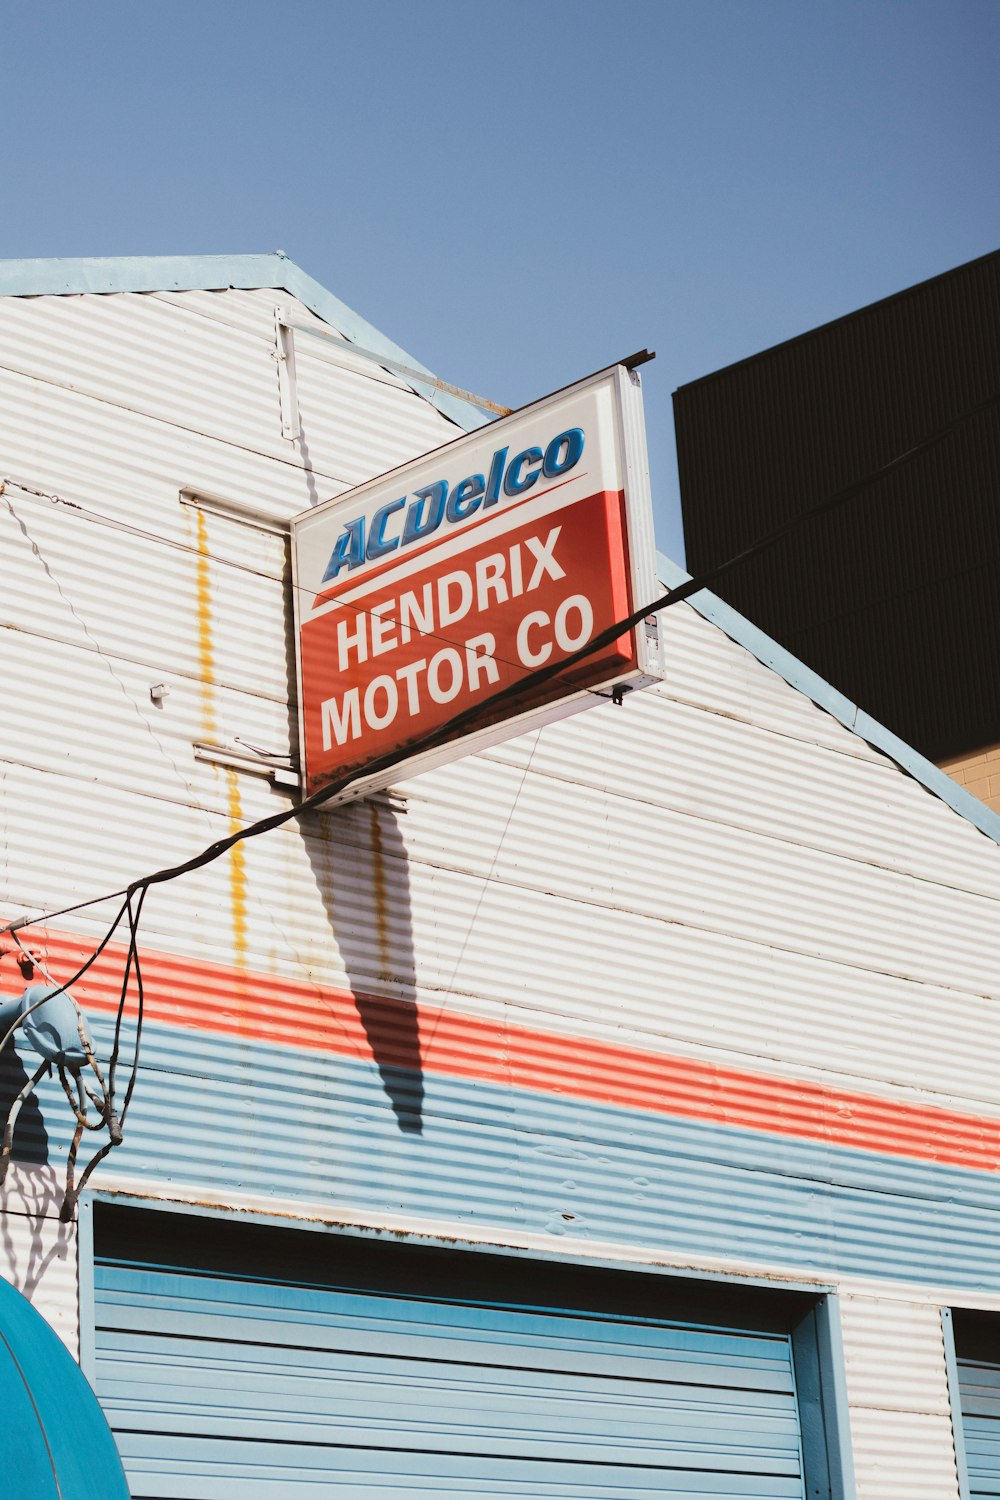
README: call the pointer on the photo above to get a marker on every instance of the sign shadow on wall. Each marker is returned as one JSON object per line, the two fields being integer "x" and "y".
{"x": 30, "y": 1238}
{"x": 31, "y": 1141}
{"x": 361, "y": 869}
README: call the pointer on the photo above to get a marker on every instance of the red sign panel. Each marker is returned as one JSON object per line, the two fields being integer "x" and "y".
{"x": 433, "y": 589}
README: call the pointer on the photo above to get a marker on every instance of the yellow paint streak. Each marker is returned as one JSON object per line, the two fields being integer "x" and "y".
{"x": 206, "y": 649}
{"x": 237, "y": 871}
{"x": 379, "y": 896}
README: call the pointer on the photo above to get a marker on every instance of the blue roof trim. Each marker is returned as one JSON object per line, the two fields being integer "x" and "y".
{"x": 191, "y": 273}
{"x": 806, "y": 681}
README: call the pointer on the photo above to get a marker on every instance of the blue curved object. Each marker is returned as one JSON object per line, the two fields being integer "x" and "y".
{"x": 57, "y": 1443}
{"x": 52, "y": 1028}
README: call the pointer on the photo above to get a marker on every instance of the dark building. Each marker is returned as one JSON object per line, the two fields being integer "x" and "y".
{"x": 893, "y": 596}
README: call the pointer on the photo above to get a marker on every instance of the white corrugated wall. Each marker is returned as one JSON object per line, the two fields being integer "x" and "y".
{"x": 765, "y": 890}
{"x": 37, "y": 1252}
{"x": 897, "y": 1386}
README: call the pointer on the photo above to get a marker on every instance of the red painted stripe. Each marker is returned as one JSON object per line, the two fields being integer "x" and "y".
{"x": 265, "y": 1008}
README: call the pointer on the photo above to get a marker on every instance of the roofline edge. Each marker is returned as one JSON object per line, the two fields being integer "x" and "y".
{"x": 795, "y": 672}
{"x": 104, "y": 275}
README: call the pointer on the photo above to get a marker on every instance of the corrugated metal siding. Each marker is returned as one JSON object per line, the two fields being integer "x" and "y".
{"x": 716, "y": 871}
{"x": 897, "y": 1387}
{"x": 889, "y": 597}
{"x": 38, "y": 1255}
{"x": 903, "y": 1456}
{"x": 376, "y": 922}
{"x": 234, "y": 1121}
{"x": 98, "y": 347}
{"x": 747, "y": 793}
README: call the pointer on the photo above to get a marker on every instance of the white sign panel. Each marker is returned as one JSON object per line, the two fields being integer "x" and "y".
{"x": 429, "y": 590}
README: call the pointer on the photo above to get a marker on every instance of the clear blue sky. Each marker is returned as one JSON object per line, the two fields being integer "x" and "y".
{"x": 521, "y": 193}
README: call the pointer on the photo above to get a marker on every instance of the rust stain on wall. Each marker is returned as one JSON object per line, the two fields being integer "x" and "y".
{"x": 237, "y": 871}
{"x": 206, "y": 649}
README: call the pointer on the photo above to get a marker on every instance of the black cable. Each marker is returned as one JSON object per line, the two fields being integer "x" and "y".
{"x": 468, "y": 717}
{"x": 63, "y": 911}
{"x": 140, "y": 1007}
{"x": 541, "y": 675}
{"x": 130, "y": 962}
{"x": 113, "y": 1118}
{"x": 62, "y": 988}
{"x": 106, "y": 1111}
{"x": 706, "y": 579}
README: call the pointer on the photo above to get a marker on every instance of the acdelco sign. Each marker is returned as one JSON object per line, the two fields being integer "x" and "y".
{"x": 433, "y": 587}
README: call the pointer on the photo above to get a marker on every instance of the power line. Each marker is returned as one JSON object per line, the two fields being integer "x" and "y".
{"x": 137, "y": 890}
{"x": 839, "y": 497}
{"x": 283, "y": 580}
{"x": 529, "y": 682}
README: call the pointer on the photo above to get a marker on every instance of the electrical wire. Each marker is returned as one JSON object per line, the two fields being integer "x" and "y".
{"x": 105, "y": 1105}
{"x": 62, "y": 911}
{"x": 131, "y": 960}
{"x": 107, "y": 1115}
{"x": 706, "y": 579}
{"x": 526, "y": 684}
{"x": 193, "y": 550}
{"x": 140, "y": 1009}
{"x": 116, "y": 1120}
{"x": 62, "y": 988}
{"x": 467, "y": 719}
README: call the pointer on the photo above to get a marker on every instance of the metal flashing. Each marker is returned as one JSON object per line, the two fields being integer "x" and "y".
{"x": 103, "y": 275}
{"x": 457, "y": 1236}
{"x": 955, "y": 1403}
{"x": 833, "y": 1369}
{"x": 767, "y": 651}
{"x": 85, "y": 1284}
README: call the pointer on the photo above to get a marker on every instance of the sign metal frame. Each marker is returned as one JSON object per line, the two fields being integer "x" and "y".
{"x": 619, "y": 389}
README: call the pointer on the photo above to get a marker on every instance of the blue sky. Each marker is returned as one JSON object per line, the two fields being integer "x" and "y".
{"x": 521, "y": 193}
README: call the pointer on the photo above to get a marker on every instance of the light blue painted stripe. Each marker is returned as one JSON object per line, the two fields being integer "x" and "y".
{"x": 188, "y": 273}
{"x": 295, "y": 1126}
{"x": 806, "y": 681}
{"x": 267, "y": 1072}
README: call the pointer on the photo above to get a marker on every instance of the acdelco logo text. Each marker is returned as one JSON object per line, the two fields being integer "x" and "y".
{"x": 402, "y": 522}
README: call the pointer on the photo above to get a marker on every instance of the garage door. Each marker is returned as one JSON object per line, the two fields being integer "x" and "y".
{"x": 977, "y": 1349}
{"x": 246, "y": 1362}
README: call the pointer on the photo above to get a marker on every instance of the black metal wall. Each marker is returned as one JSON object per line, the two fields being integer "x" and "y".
{"x": 895, "y": 596}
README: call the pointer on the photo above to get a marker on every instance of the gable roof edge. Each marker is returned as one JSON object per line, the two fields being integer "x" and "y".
{"x": 768, "y": 652}
{"x": 103, "y": 275}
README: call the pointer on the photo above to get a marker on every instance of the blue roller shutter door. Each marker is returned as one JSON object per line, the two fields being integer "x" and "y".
{"x": 396, "y": 1373}
{"x": 977, "y": 1340}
